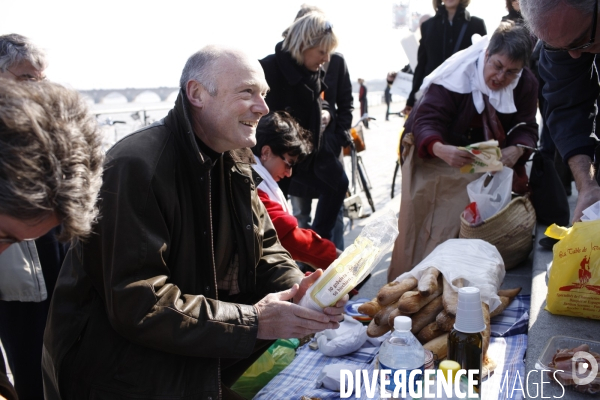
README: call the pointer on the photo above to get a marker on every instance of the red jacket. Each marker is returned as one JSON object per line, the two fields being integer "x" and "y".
{"x": 303, "y": 244}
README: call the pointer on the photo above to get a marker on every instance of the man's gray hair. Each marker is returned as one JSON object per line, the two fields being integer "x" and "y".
{"x": 50, "y": 156}
{"x": 199, "y": 68}
{"x": 15, "y": 48}
{"x": 536, "y": 12}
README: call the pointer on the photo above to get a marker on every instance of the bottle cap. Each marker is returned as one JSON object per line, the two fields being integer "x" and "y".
{"x": 469, "y": 315}
{"x": 402, "y": 323}
{"x": 449, "y": 368}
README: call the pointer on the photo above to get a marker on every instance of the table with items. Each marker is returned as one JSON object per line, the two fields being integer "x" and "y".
{"x": 507, "y": 347}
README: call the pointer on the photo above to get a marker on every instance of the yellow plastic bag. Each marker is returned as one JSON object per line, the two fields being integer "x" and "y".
{"x": 574, "y": 282}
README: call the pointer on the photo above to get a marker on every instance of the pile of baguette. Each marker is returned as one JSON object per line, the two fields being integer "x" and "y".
{"x": 431, "y": 304}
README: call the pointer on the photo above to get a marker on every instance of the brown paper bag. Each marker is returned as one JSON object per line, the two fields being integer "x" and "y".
{"x": 433, "y": 197}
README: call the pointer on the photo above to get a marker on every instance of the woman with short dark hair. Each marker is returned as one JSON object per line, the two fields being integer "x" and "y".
{"x": 281, "y": 143}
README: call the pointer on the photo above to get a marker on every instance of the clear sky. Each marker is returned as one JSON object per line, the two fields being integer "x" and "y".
{"x": 135, "y": 43}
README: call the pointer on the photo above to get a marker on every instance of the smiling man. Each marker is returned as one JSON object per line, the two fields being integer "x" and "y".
{"x": 50, "y": 173}
{"x": 184, "y": 282}
{"x": 568, "y": 65}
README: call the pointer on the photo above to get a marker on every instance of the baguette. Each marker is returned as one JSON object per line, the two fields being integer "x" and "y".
{"x": 488, "y": 366}
{"x": 445, "y": 321}
{"x": 504, "y": 302}
{"x": 370, "y": 308}
{"x": 426, "y": 315}
{"x": 391, "y": 292}
{"x": 428, "y": 282}
{"x": 395, "y": 313}
{"x": 451, "y": 296}
{"x": 412, "y": 301}
{"x": 374, "y": 330}
{"x": 438, "y": 346}
{"x": 381, "y": 318}
{"x": 429, "y": 333}
{"x": 510, "y": 293}
{"x": 486, "y": 333}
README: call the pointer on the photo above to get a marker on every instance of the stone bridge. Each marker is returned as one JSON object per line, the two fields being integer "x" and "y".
{"x": 130, "y": 94}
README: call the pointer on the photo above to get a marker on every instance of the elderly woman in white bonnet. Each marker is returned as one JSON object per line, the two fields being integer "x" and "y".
{"x": 477, "y": 94}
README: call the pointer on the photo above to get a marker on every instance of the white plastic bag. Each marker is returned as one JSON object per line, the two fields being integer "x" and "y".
{"x": 476, "y": 261}
{"x": 354, "y": 264}
{"x": 495, "y": 196}
{"x": 346, "y": 339}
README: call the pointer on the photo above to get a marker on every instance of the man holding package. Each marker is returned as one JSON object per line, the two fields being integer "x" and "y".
{"x": 479, "y": 94}
{"x": 184, "y": 282}
{"x": 569, "y": 66}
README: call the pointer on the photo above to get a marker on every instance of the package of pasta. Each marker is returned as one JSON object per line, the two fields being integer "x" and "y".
{"x": 355, "y": 263}
{"x": 487, "y": 157}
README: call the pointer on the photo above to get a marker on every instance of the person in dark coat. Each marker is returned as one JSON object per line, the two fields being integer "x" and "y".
{"x": 568, "y": 65}
{"x": 295, "y": 76}
{"x": 449, "y": 31}
{"x": 364, "y": 103}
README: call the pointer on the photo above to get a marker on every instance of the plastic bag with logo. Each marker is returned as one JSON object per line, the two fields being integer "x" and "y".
{"x": 574, "y": 281}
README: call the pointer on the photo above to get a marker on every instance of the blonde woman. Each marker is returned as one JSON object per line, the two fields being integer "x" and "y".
{"x": 295, "y": 76}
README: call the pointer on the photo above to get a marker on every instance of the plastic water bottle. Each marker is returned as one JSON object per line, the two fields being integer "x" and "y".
{"x": 402, "y": 351}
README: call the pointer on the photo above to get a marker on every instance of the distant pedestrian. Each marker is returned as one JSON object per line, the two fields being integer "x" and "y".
{"x": 387, "y": 94}
{"x": 364, "y": 104}
{"x": 448, "y": 32}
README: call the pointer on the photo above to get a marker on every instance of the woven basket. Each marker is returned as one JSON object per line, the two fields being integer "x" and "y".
{"x": 510, "y": 231}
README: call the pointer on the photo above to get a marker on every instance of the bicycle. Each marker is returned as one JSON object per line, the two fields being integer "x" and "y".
{"x": 399, "y": 159}
{"x": 358, "y": 171}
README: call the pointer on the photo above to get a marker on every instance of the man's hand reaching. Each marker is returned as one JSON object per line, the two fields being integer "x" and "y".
{"x": 280, "y": 319}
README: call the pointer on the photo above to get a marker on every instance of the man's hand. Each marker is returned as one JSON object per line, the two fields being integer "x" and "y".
{"x": 510, "y": 155}
{"x": 453, "y": 156}
{"x": 407, "y": 110}
{"x": 335, "y": 312}
{"x": 589, "y": 191}
{"x": 280, "y": 319}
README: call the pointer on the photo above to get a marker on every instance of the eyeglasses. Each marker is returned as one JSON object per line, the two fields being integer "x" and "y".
{"x": 551, "y": 49}
{"x": 27, "y": 77}
{"x": 288, "y": 165}
{"x": 508, "y": 73}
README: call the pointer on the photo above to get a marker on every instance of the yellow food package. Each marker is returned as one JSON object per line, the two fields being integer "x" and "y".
{"x": 487, "y": 157}
{"x": 354, "y": 264}
{"x": 574, "y": 281}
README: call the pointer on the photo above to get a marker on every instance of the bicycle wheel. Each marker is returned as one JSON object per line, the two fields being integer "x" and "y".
{"x": 396, "y": 169}
{"x": 364, "y": 181}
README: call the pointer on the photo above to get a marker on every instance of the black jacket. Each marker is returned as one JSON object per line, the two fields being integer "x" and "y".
{"x": 296, "y": 90}
{"x": 136, "y": 310}
{"x": 339, "y": 97}
{"x": 571, "y": 90}
{"x": 438, "y": 42}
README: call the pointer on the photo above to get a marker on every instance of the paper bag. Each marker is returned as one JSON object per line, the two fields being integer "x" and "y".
{"x": 574, "y": 282}
{"x": 433, "y": 197}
